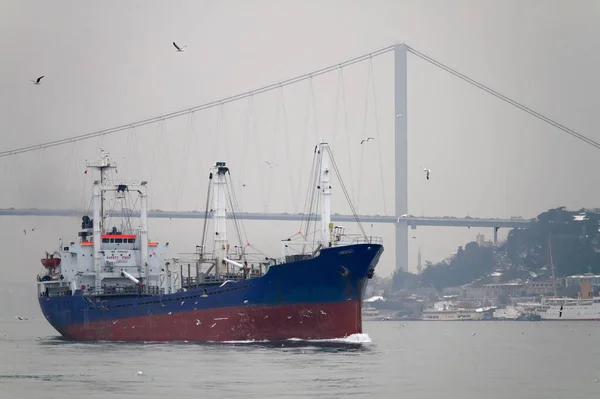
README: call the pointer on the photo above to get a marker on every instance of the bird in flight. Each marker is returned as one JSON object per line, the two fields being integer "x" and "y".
{"x": 367, "y": 139}
{"x": 37, "y": 81}
{"x": 427, "y": 172}
{"x": 179, "y": 49}
{"x": 269, "y": 163}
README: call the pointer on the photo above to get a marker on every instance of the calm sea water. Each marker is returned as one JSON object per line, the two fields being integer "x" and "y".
{"x": 402, "y": 360}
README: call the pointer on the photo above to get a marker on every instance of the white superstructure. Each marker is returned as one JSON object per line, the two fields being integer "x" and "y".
{"x": 563, "y": 308}
{"x": 451, "y": 314}
{"x": 585, "y": 307}
{"x": 113, "y": 255}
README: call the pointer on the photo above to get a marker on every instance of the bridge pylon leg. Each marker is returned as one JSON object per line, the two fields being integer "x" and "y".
{"x": 402, "y": 246}
{"x": 401, "y": 152}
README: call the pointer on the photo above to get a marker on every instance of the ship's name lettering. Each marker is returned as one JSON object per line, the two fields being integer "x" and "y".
{"x": 119, "y": 259}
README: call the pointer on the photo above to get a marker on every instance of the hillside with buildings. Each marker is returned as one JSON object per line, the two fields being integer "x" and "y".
{"x": 567, "y": 240}
{"x": 560, "y": 241}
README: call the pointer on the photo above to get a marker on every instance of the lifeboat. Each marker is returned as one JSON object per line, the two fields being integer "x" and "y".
{"x": 50, "y": 262}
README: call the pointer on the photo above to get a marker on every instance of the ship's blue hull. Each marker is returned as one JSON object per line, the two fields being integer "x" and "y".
{"x": 317, "y": 298}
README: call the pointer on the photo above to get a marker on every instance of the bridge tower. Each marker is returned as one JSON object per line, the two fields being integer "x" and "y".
{"x": 401, "y": 153}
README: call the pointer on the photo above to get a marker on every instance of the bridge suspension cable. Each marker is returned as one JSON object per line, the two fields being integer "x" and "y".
{"x": 208, "y": 105}
{"x": 291, "y": 81}
{"x": 502, "y": 97}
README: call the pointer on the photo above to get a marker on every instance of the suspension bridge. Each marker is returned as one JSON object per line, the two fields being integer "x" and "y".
{"x": 401, "y": 219}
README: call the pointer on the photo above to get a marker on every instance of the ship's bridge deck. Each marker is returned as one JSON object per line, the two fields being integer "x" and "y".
{"x": 119, "y": 239}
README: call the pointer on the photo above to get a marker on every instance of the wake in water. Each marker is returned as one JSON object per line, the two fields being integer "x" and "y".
{"x": 351, "y": 339}
{"x": 354, "y": 339}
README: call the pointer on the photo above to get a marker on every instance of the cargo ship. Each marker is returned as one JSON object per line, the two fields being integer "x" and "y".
{"x": 114, "y": 283}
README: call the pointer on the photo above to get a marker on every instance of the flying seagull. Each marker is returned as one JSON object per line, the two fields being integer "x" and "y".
{"x": 37, "y": 81}
{"x": 179, "y": 49}
{"x": 367, "y": 139}
{"x": 269, "y": 163}
{"x": 427, "y": 172}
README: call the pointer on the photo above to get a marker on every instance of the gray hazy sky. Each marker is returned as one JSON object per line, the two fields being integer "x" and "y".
{"x": 112, "y": 62}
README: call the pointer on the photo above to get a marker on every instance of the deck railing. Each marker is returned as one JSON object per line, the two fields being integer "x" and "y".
{"x": 124, "y": 290}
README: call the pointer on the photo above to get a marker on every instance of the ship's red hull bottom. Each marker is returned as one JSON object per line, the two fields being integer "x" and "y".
{"x": 303, "y": 321}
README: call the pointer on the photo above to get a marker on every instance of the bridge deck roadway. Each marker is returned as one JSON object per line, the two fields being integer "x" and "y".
{"x": 412, "y": 221}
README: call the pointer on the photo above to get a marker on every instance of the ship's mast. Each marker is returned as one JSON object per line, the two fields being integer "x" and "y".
{"x": 144, "y": 232}
{"x": 325, "y": 192}
{"x": 97, "y": 201}
{"x": 103, "y": 165}
{"x": 220, "y": 213}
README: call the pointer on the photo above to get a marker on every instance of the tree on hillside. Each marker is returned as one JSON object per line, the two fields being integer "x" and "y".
{"x": 468, "y": 264}
{"x": 574, "y": 243}
{"x": 402, "y": 280}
